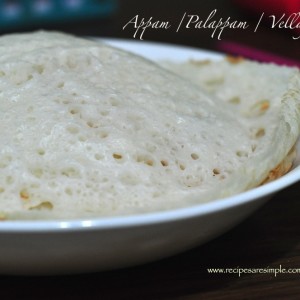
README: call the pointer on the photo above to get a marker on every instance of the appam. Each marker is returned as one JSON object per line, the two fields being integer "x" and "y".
{"x": 253, "y": 89}
{"x": 93, "y": 131}
{"x": 35, "y": 247}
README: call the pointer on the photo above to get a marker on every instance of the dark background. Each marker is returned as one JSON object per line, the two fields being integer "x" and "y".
{"x": 269, "y": 238}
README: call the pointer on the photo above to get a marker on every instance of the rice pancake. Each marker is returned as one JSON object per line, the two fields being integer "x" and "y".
{"x": 88, "y": 130}
{"x": 254, "y": 89}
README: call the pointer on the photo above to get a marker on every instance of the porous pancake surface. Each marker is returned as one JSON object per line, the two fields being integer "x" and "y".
{"x": 90, "y": 130}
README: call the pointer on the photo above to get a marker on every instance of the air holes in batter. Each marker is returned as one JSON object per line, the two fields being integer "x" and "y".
{"x": 92, "y": 124}
{"x": 235, "y": 100}
{"x": 103, "y": 135}
{"x": 98, "y": 156}
{"x": 61, "y": 85}
{"x": 181, "y": 167}
{"x": 216, "y": 171}
{"x": 82, "y": 138}
{"x": 194, "y": 156}
{"x": 113, "y": 101}
{"x": 24, "y": 194}
{"x": 104, "y": 113}
{"x": 164, "y": 163}
{"x": 145, "y": 159}
{"x": 5, "y": 161}
{"x": 117, "y": 156}
{"x": 39, "y": 68}
{"x": 73, "y": 130}
{"x": 260, "y": 133}
{"x": 38, "y": 173}
{"x": 241, "y": 153}
{"x": 41, "y": 151}
{"x": 45, "y": 205}
{"x": 69, "y": 191}
{"x": 70, "y": 172}
{"x": 74, "y": 111}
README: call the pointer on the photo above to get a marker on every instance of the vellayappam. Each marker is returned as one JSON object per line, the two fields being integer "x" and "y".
{"x": 91, "y": 130}
{"x": 94, "y": 244}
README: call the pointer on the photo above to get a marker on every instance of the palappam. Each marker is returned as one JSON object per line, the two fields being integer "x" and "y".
{"x": 91, "y": 130}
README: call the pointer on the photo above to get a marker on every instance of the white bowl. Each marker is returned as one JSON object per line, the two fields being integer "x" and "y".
{"x": 73, "y": 246}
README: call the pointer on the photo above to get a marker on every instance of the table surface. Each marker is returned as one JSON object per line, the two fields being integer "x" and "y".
{"x": 270, "y": 238}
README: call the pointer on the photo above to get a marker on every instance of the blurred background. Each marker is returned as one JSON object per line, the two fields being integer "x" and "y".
{"x": 106, "y": 18}
{"x": 269, "y": 237}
